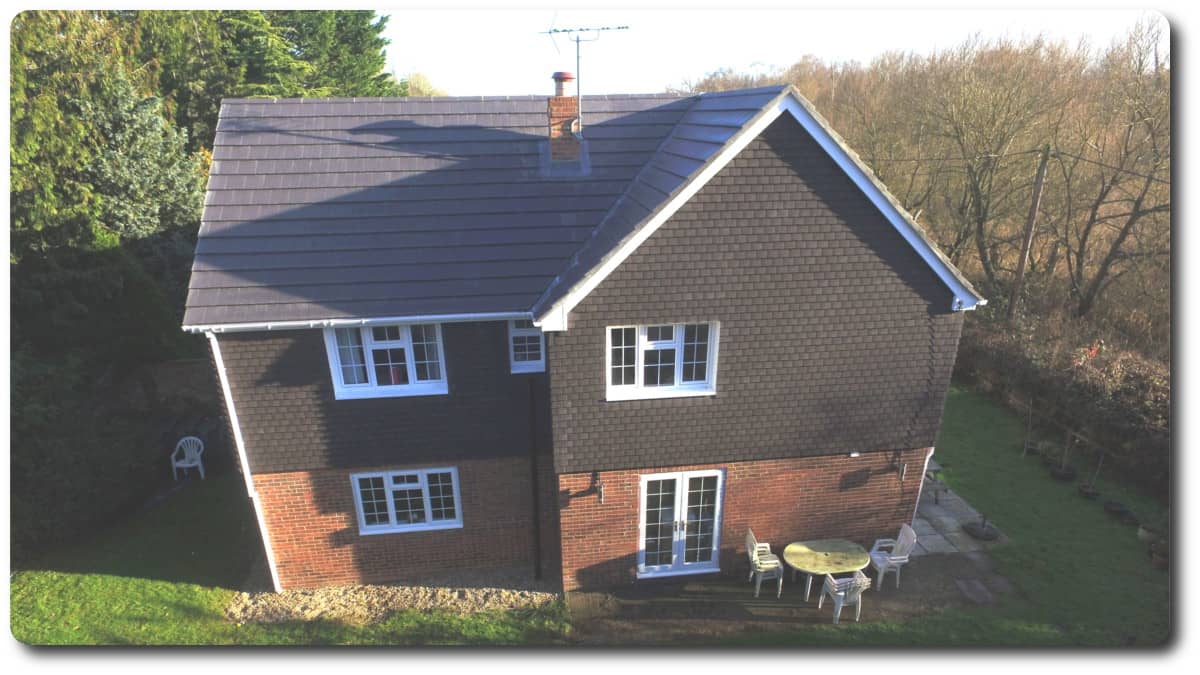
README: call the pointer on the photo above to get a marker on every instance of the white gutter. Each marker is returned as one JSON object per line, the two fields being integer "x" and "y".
{"x": 334, "y": 323}
{"x": 241, "y": 450}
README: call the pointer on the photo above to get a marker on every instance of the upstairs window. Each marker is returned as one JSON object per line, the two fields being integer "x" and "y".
{"x": 391, "y": 360}
{"x": 403, "y": 501}
{"x": 661, "y": 361}
{"x": 526, "y": 347}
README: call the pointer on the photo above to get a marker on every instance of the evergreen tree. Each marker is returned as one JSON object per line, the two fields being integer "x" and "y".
{"x": 345, "y": 48}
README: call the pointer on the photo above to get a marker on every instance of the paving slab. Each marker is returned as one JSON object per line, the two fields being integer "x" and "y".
{"x": 998, "y": 584}
{"x": 922, "y": 526}
{"x": 974, "y": 590}
{"x": 936, "y": 543}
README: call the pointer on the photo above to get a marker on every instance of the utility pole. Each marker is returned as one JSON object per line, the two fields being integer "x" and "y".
{"x": 1027, "y": 242}
{"x": 574, "y": 35}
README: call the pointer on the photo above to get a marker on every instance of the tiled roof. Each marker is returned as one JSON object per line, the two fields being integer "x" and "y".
{"x": 341, "y": 208}
{"x": 373, "y": 208}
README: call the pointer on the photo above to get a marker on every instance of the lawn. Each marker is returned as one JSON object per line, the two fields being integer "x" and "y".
{"x": 1081, "y": 578}
{"x": 165, "y": 575}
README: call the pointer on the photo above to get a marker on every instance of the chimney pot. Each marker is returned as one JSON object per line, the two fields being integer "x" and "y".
{"x": 560, "y": 79}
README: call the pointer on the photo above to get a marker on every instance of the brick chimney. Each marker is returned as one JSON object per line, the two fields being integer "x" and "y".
{"x": 563, "y": 114}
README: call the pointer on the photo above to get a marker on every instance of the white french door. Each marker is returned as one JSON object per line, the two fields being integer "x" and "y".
{"x": 680, "y": 528}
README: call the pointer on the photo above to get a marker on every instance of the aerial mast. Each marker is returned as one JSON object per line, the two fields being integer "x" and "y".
{"x": 576, "y": 36}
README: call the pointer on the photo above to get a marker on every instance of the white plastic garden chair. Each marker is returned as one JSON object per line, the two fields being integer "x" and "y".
{"x": 842, "y": 592}
{"x": 888, "y": 555}
{"x": 763, "y": 563}
{"x": 187, "y": 455}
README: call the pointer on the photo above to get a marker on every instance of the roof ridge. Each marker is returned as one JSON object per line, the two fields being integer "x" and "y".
{"x": 440, "y": 99}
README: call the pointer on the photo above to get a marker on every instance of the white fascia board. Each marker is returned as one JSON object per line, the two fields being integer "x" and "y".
{"x": 344, "y": 323}
{"x": 555, "y": 318}
{"x": 240, "y": 444}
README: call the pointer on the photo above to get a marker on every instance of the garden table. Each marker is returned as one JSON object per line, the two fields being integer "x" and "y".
{"x": 824, "y": 556}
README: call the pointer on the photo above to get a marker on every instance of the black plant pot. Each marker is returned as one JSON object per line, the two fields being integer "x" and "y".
{"x": 1063, "y": 473}
{"x": 981, "y": 531}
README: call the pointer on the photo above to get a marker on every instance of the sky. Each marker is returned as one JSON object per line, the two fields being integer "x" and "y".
{"x": 469, "y": 52}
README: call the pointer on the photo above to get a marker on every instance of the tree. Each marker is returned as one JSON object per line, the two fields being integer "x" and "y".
{"x": 1115, "y": 166}
{"x": 56, "y": 57}
{"x": 344, "y": 48}
{"x": 144, "y": 178}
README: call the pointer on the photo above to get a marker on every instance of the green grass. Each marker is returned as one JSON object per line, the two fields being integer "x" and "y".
{"x": 165, "y": 576}
{"x": 1081, "y": 578}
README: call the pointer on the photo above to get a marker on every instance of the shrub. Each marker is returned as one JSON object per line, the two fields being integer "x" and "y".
{"x": 1116, "y": 397}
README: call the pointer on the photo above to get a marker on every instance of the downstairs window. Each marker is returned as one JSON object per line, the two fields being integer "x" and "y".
{"x": 405, "y": 501}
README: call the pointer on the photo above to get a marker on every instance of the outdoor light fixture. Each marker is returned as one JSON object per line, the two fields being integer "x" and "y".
{"x": 854, "y": 454}
{"x": 903, "y": 470}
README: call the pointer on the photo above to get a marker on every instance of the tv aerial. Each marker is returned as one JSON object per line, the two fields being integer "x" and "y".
{"x": 576, "y": 35}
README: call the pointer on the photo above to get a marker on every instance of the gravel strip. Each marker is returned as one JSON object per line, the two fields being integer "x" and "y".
{"x": 371, "y": 603}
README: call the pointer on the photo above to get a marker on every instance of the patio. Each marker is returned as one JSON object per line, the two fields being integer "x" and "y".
{"x": 948, "y": 569}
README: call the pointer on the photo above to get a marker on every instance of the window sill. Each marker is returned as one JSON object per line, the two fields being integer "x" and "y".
{"x": 433, "y": 389}
{"x": 532, "y": 367}
{"x": 424, "y": 527}
{"x": 699, "y": 569}
{"x": 646, "y": 393}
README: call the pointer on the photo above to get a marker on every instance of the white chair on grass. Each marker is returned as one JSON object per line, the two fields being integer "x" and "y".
{"x": 763, "y": 563}
{"x": 187, "y": 455}
{"x": 842, "y": 592}
{"x": 888, "y": 555}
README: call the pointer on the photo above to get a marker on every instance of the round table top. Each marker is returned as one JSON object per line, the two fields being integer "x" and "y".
{"x": 826, "y": 556}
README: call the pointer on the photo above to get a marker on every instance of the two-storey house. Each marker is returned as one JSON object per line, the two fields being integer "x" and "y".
{"x": 600, "y": 343}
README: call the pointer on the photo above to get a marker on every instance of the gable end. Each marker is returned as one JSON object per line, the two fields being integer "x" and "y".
{"x": 552, "y": 310}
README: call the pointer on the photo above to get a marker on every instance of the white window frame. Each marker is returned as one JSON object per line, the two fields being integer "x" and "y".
{"x": 392, "y": 527}
{"x": 371, "y": 389}
{"x": 516, "y": 366}
{"x": 677, "y": 565}
{"x": 638, "y": 391}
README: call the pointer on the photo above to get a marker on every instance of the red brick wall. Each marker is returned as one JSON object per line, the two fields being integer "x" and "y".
{"x": 313, "y": 525}
{"x": 562, "y": 110}
{"x": 783, "y": 500}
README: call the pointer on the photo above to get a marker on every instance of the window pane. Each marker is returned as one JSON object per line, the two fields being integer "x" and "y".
{"x": 660, "y": 516}
{"x": 441, "y": 496}
{"x": 657, "y": 333}
{"x": 695, "y": 352}
{"x": 406, "y": 479}
{"x": 659, "y": 368}
{"x": 385, "y": 333}
{"x": 410, "y": 506}
{"x": 520, "y": 324}
{"x": 425, "y": 352}
{"x": 390, "y": 368}
{"x": 350, "y": 356}
{"x": 527, "y": 348}
{"x": 624, "y": 355}
{"x": 374, "y": 500}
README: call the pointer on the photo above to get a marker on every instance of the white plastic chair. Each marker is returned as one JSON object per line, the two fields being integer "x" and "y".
{"x": 842, "y": 592}
{"x": 895, "y": 556}
{"x": 763, "y": 563}
{"x": 187, "y": 455}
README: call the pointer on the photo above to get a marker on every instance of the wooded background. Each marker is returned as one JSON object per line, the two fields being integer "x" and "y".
{"x": 113, "y": 116}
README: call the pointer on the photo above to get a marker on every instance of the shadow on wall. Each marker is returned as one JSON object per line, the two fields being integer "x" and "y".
{"x": 484, "y": 428}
